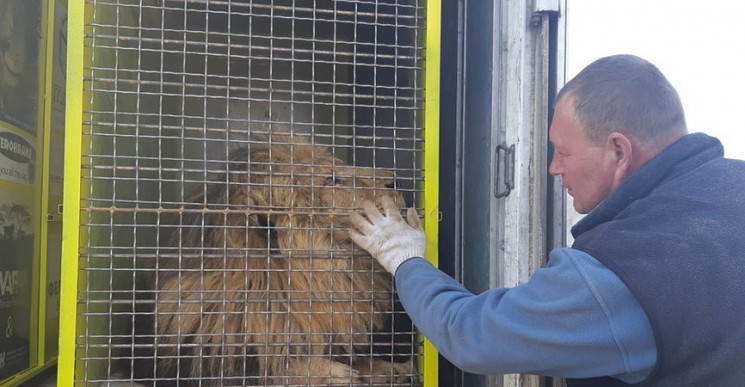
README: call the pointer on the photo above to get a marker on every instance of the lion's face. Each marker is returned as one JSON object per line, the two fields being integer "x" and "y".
{"x": 305, "y": 185}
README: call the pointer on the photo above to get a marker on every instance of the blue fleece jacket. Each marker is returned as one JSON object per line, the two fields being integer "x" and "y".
{"x": 673, "y": 233}
{"x": 575, "y": 318}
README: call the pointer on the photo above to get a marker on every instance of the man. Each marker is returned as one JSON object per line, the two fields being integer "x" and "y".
{"x": 652, "y": 292}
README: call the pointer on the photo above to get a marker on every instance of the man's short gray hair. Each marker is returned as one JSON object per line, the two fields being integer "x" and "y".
{"x": 625, "y": 94}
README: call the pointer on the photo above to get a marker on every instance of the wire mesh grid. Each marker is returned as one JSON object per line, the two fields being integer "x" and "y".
{"x": 225, "y": 144}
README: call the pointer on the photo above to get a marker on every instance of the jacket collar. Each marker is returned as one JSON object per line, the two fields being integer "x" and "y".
{"x": 680, "y": 157}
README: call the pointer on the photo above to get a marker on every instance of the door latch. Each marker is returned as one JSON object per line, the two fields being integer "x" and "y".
{"x": 504, "y": 182}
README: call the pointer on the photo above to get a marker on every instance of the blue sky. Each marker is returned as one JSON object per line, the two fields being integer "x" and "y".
{"x": 698, "y": 45}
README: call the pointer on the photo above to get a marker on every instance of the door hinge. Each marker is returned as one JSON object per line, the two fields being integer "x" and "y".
{"x": 504, "y": 182}
{"x": 546, "y": 6}
{"x": 543, "y": 7}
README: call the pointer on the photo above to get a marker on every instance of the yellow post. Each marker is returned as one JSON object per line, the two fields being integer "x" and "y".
{"x": 71, "y": 214}
{"x": 431, "y": 159}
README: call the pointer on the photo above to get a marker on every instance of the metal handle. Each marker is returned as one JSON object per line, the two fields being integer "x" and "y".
{"x": 505, "y": 170}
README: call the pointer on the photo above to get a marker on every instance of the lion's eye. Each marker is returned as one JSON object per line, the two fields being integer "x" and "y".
{"x": 333, "y": 180}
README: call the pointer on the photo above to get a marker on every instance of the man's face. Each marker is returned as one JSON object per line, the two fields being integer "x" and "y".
{"x": 587, "y": 170}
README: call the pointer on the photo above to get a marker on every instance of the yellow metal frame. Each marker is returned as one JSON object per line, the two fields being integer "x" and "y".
{"x": 48, "y": 21}
{"x": 432, "y": 159}
{"x": 72, "y": 185}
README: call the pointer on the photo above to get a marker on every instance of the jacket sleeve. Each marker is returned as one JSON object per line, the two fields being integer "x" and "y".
{"x": 574, "y": 318}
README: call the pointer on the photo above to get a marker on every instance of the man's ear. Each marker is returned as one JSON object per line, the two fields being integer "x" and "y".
{"x": 623, "y": 155}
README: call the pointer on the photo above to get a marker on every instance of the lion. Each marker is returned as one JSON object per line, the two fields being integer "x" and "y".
{"x": 267, "y": 288}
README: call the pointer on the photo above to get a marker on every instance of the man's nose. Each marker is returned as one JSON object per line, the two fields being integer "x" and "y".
{"x": 554, "y": 168}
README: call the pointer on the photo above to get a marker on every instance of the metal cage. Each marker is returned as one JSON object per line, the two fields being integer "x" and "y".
{"x": 214, "y": 150}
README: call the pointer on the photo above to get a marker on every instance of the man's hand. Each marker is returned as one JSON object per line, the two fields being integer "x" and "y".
{"x": 388, "y": 237}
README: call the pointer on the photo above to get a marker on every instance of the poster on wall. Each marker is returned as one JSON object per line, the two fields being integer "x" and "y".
{"x": 21, "y": 68}
{"x": 20, "y": 26}
{"x": 17, "y": 157}
{"x": 17, "y": 246}
{"x": 18, "y": 182}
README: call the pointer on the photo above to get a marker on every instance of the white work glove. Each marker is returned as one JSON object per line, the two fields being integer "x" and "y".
{"x": 388, "y": 237}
